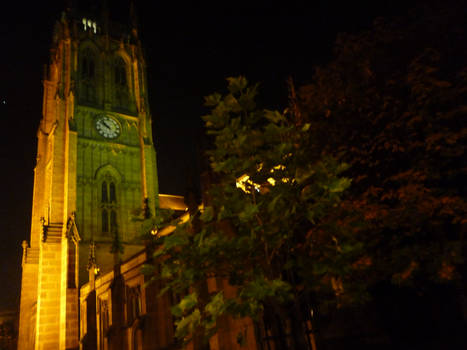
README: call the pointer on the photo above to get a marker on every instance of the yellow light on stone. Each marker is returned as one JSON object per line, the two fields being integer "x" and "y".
{"x": 272, "y": 181}
{"x": 243, "y": 181}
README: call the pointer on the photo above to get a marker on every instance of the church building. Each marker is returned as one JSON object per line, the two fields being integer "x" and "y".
{"x": 96, "y": 166}
{"x": 96, "y": 171}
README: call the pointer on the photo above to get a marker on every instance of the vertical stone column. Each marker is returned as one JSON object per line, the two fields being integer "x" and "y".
{"x": 49, "y": 289}
{"x": 116, "y": 338}
{"x": 89, "y": 339}
{"x": 71, "y": 283}
{"x": 89, "y": 318}
{"x": 28, "y": 298}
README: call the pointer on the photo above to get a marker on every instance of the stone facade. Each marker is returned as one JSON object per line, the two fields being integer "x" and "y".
{"x": 96, "y": 167}
{"x": 119, "y": 311}
{"x": 95, "y": 171}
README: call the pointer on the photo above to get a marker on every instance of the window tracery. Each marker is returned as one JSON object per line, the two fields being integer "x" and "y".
{"x": 104, "y": 322}
{"x": 120, "y": 80}
{"x": 133, "y": 303}
{"x": 87, "y": 76}
{"x": 108, "y": 206}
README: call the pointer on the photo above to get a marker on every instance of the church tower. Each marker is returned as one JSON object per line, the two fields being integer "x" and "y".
{"x": 96, "y": 167}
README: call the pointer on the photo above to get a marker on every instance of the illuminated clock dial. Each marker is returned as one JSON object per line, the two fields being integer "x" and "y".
{"x": 107, "y": 127}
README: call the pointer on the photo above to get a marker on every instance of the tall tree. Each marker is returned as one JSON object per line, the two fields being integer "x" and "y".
{"x": 265, "y": 226}
{"x": 392, "y": 105}
{"x": 297, "y": 233}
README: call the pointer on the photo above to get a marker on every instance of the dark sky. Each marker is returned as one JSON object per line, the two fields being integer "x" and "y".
{"x": 190, "y": 50}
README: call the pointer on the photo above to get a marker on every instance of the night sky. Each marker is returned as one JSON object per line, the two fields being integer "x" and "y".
{"x": 190, "y": 50}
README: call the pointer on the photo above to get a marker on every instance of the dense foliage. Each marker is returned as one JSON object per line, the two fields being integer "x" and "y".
{"x": 393, "y": 106}
{"x": 270, "y": 238}
{"x": 362, "y": 184}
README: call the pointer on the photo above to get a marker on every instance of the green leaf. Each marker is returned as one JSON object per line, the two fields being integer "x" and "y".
{"x": 303, "y": 174}
{"x": 248, "y": 212}
{"x": 339, "y": 185}
{"x": 166, "y": 272}
{"x": 236, "y": 84}
{"x": 273, "y": 116}
{"x": 176, "y": 310}
{"x": 216, "y": 306}
{"x": 188, "y": 324}
{"x": 159, "y": 252}
{"x": 262, "y": 288}
{"x": 174, "y": 240}
{"x": 188, "y": 302}
{"x": 148, "y": 269}
{"x": 212, "y": 100}
{"x": 272, "y": 204}
{"x": 207, "y": 215}
{"x": 247, "y": 102}
{"x": 232, "y": 103}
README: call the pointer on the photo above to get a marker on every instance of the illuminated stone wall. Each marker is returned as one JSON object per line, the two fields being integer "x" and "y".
{"x": 131, "y": 315}
{"x": 95, "y": 130}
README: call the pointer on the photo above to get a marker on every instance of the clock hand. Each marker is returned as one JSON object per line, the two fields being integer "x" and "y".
{"x": 105, "y": 128}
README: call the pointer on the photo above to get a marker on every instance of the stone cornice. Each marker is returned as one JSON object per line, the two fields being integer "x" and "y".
{"x": 84, "y": 141}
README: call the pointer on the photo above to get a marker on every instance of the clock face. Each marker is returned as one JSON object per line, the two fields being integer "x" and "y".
{"x": 107, "y": 127}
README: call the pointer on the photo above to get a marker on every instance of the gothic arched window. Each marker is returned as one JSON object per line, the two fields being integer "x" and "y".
{"x": 121, "y": 99}
{"x": 120, "y": 72}
{"x": 104, "y": 322}
{"x": 87, "y": 76}
{"x": 133, "y": 303}
{"x": 105, "y": 197}
{"x": 87, "y": 67}
{"x": 113, "y": 198}
{"x": 109, "y": 206}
